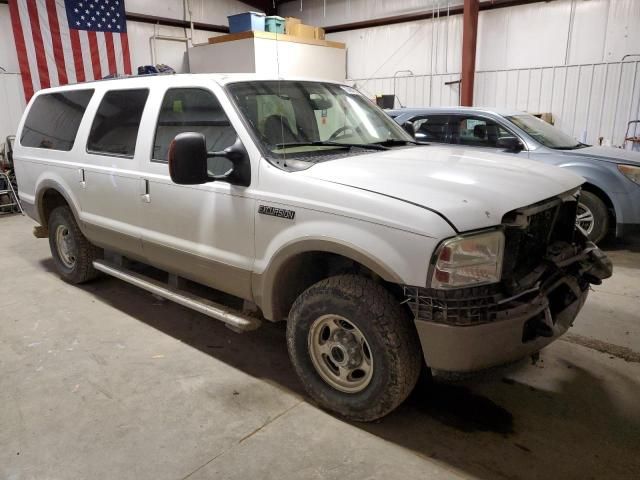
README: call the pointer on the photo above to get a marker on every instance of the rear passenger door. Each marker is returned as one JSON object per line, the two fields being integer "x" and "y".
{"x": 201, "y": 232}
{"x": 110, "y": 177}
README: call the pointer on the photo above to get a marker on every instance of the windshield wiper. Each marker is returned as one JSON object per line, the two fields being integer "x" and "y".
{"x": 396, "y": 141}
{"x": 326, "y": 143}
{"x": 573, "y": 147}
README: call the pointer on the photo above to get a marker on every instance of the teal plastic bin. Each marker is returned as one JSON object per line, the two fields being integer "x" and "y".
{"x": 274, "y": 24}
{"x": 246, "y": 22}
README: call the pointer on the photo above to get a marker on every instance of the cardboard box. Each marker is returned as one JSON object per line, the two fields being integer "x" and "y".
{"x": 302, "y": 30}
{"x": 289, "y": 22}
{"x": 319, "y": 32}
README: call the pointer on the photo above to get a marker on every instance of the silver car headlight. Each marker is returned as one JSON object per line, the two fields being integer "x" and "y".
{"x": 631, "y": 172}
{"x": 469, "y": 260}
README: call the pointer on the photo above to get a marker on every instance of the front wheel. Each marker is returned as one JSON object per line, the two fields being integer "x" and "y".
{"x": 353, "y": 346}
{"x": 592, "y": 216}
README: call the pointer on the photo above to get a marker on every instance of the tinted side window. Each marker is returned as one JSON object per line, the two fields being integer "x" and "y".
{"x": 115, "y": 127}
{"x": 476, "y": 131}
{"x": 54, "y": 119}
{"x": 194, "y": 110}
{"x": 431, "y": 129}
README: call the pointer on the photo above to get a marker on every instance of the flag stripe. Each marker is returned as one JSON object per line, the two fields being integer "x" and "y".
{"x": 23, "y": 61}
{"x": 125, "y": 53}
{"x": 85, "y": 51}
{"x": 111, "y": 53}
{"x": 117, "y": 43}
{"x": 28, "y": 38}
{"x": 47, "y": 43}
{"x": 56, "y": 40}
{"x": 102, "y": 54}
{"x": 95, "y": 55}
{"x": 43, "y": 70}
{"x": 77, "y": 54}
{"x": 65, "y": 40}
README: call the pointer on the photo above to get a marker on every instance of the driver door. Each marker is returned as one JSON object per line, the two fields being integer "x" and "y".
{"x": 202, "y": 232}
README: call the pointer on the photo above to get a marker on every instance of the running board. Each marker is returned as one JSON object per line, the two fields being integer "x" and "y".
{"x": 236, "y": 320}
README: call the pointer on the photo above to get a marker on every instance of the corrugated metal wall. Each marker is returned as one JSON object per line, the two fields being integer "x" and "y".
{"x": 561, "y": 56}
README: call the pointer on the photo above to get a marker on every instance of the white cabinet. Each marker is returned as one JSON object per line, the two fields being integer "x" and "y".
{"x": 270, "y": 54}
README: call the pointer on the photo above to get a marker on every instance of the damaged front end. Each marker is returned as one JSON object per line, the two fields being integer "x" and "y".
{"x": 545, "y": 271}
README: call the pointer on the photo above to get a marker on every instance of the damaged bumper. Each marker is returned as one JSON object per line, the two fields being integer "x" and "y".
{"x": 472, "y": 329}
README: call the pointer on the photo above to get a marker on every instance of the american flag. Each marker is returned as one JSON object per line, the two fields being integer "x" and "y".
{"x": 69, "y": 41}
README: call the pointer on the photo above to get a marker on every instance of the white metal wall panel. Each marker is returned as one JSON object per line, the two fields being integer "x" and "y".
{"x": 588, "y": 100}
{"x": 205, "y": 11}
{"x": 313, "y": 12}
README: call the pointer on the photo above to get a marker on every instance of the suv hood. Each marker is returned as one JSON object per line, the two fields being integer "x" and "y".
{"x": 609, "y": 154}
{"x": 470, "y": 188}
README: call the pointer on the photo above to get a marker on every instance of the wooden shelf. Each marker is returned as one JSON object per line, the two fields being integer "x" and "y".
{"x": 281, "y": 37}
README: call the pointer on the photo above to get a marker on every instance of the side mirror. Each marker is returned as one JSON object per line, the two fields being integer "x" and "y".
{"x": 510, "y": 144}
{"x": 188, "y": 161}
{"x": 410, "y": 128}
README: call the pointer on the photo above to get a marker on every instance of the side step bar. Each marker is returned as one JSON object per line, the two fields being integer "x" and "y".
{"x": 234, "y": 319}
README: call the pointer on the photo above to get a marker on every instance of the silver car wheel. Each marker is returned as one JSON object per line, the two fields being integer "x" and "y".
{"x": 65, "y": 246}
{"x": 340, "y": 353}
{"x": 584, "y": 218}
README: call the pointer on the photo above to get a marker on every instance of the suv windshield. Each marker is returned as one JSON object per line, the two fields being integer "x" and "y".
{"x": 546, "y": 134}
{"x": 310, "y": 119}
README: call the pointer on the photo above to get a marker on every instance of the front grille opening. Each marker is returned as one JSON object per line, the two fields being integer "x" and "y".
{"x": 526, "y": 244}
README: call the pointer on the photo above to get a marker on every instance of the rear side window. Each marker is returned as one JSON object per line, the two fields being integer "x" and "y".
{"x": 54, "y": 119}
{"x": 115, "y": 127}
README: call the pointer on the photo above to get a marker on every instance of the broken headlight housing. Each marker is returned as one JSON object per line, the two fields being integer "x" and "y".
{"x": 468, "y": 260}
{"x": 631, "y": 172}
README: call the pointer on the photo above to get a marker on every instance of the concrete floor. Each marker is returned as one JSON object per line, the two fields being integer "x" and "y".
{"x": 105, "y": 381}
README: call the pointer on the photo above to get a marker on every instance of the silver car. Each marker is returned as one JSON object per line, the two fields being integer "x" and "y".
{"x": 610, "y": 199}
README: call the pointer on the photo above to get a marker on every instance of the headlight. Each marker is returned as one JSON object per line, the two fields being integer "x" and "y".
{"x": 466, "y": 261}
{"x": 631, "y": 172}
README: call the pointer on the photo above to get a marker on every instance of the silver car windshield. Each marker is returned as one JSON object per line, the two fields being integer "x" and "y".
{"x": 312, "y": 119}
{"x": 546, "y": 134}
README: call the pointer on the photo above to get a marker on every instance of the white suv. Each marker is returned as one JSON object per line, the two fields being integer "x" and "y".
{"x": 304, "y": 200}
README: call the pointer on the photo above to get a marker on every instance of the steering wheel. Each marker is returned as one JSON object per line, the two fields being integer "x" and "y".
{"x": 341, "y": 131}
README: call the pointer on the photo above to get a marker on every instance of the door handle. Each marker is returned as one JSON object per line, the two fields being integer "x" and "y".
{"x": 144, "y": 190}
{"x": 81, "y": 178}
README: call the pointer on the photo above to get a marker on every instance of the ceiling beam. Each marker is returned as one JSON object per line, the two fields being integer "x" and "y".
{"x": 267, "y": 6}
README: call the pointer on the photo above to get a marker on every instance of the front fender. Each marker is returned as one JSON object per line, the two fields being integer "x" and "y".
{"x": 606, "y": 178}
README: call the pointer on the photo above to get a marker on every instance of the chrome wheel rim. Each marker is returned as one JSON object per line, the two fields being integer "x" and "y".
{"x": 584, "y": 218}
{"x": 66, "y": 246}
{"x": 340, "y": 353}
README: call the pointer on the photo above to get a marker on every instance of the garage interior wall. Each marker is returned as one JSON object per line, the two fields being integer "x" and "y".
{"x": 560, "y": 56}
{"x": 141, "y": 45}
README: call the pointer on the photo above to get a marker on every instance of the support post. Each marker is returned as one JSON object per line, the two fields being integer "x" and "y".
{"x": 469, "y": 37}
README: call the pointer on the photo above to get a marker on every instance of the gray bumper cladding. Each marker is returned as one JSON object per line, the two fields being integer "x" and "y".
{"x": 470, "y": 329}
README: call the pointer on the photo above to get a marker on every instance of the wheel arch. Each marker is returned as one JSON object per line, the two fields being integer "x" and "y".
{"x": 602, "y": 195}
{"x": 297, "y": 266}
{"x": 50, "y": 195}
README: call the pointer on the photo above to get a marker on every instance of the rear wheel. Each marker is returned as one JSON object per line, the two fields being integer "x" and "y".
{"x": 593, "y": 216}
{"x": 72, "y": 253}
{"x": 353, "y": 346}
